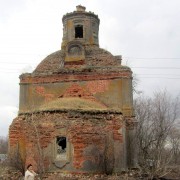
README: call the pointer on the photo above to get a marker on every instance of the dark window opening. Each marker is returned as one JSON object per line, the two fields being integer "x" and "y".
{"x": 61, "y": 142}
{"x": 79, "y": 31}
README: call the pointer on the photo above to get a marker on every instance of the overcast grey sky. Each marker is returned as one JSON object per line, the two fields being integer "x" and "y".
{"x": 145, "y": 32}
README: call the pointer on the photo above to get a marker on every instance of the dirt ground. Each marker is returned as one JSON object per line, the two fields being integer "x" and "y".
{"x": 9, "y": 173}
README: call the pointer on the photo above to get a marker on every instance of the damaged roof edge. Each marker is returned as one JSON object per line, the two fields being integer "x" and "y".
{"x": 73, "y": 110}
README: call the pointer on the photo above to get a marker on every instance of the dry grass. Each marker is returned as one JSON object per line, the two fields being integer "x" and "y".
{"x": 72, "y": 103}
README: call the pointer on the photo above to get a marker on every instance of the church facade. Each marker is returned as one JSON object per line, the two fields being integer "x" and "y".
{"x": 76, "y": 107}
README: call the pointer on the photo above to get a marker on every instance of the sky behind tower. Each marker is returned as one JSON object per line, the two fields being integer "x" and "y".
{"x": 145, "y": 32}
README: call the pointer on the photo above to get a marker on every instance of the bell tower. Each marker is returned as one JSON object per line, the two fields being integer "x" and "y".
{"x": 80, "y": 29}
{"x": 80, "y": 26}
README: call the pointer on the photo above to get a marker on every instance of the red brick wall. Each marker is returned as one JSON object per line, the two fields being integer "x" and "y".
{"x": 83, "y": 130}
{"x": 74, "y": 77}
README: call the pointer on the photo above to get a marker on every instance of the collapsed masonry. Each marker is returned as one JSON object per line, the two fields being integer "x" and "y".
{"x": 76, "y": 107}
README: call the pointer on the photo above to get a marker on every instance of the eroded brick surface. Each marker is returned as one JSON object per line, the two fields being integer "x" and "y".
{"x": 98, "y": 86}
{"x": 86, "y": 132}
{"x": 73, "y": 77}
{"x": 41, "y": 91}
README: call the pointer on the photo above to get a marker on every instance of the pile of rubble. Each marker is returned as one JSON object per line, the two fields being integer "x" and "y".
{"x": 54, "y": 176}
{"x": 7, "y": 173}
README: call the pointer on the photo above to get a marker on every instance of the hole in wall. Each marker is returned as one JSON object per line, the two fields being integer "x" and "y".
{"x": 61, "y": 145}
{"x": 79, "y": 31}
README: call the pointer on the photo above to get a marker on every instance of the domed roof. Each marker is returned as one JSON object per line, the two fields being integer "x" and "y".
{"x": 94, "y": 56}
{"x": 51, "y": 63}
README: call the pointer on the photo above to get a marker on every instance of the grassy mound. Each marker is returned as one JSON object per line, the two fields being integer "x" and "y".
{"x": 72, "y": 103}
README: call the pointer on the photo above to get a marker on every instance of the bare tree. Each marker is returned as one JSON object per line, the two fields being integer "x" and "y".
{"x": 37, "y": 135}
{"x": 135, "y": 82}
{"x": 109, "y": 154}
{"x": 156, "y": 117}
{"x": 17, "y": 158}
{"x": 174, "y": 143}
{"x": 40, "y": 162}
{"x": 3, "y": 145}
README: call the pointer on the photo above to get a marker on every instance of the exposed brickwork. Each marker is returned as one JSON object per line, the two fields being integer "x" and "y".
{"x": 97, "y": 86}
{"x": 41, "y": 91}
{"x": 52, "y": 62}
{"x": 131, "y": 123}
{"x": 99, "y": 57}
{"x": 77, "y": 91}
{"x": 73, "y": 77}
{"x": 82, "y": 130}
{"x": 75, "y": 64}
{"x": 94, "y": 56}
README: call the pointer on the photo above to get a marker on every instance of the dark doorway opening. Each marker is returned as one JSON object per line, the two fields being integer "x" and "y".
{"x": 79, "y": 31}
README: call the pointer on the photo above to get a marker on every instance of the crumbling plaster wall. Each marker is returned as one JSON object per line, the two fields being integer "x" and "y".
{"x": 114, "y": 94}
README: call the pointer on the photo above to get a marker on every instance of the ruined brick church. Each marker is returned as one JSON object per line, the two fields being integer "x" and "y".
{"x": 76, "y": 107}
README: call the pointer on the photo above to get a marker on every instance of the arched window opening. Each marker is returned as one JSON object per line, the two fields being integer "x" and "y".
{"x": 61, "y": 145}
